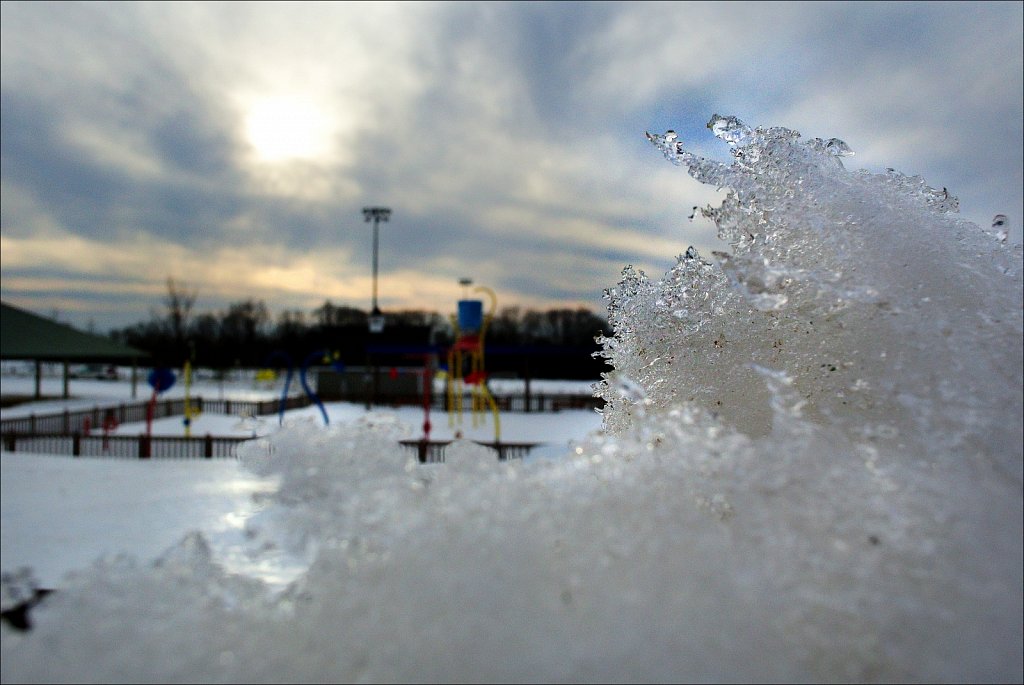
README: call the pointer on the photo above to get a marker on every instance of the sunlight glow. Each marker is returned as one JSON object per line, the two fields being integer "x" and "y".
{"x": 281, "y": 129}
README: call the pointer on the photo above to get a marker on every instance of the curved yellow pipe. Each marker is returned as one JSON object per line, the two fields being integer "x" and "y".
{"x": 487, "y": 318}
{"x": 494, "y": 410}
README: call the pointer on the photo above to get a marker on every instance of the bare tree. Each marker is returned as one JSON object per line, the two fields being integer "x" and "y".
{"x": 179, "y": 303}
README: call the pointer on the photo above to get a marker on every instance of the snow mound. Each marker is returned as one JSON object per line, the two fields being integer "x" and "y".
{"x": 810, "y": 470}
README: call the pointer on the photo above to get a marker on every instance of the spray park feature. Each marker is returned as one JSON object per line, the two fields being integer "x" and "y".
{"x": 809, "y": 471}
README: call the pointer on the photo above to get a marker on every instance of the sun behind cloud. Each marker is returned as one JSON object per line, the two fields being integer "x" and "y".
{"x": 282, "y": 129}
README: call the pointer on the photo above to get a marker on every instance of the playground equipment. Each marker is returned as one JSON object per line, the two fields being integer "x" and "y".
{"x": 466, "y": 363}
{"x": 161, "y": 380}
{"x": 326, "y": 357}
{"x": 191, "y": 410}
{"x": 426, "y": 375}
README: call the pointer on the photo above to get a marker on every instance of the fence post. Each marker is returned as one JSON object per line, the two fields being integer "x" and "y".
{"x": 9, "y": 440}
{"x": 227, "y": 407}
{"x": 208, "y": 446}
{"x": 76, "y": 444}
{"x": 31, "y": 423}
{"x": 144, "y": 447}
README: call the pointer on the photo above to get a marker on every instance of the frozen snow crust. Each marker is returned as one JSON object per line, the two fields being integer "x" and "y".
{"x": 810, "y": 471}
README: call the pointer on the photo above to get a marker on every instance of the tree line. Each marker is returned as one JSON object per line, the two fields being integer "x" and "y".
{"x": 554, "y": 343}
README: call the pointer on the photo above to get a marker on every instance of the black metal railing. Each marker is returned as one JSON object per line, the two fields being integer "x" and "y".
{"x": 80, "y": 433}
{"x": 124, "y": 446}
{"x": 432, "y": 451}
{"x": 87, "y": 420}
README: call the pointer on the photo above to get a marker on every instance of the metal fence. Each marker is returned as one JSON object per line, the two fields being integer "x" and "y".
{"x": 520, "y": 403}
{"x": 124, "y": 446}
{"x": 86, "y": 420}
{"x": 205, "y": 447}
{"x": 77, "y": 433}
{"x": 432, "y": 451}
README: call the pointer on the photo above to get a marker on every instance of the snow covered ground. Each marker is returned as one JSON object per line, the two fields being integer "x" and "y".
{"x": 59, "y": 514}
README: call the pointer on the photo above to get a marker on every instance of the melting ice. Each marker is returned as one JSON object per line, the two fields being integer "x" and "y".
{"x": 810, "y": 470}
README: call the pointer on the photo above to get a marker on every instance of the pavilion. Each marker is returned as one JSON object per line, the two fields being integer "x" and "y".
{"x": 27, "y": 336}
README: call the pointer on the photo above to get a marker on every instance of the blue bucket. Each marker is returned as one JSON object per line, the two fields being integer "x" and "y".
{"x": 471, "y": 315}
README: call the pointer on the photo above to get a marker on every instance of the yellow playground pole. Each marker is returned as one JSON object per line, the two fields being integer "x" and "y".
{"x": 453, "y": 381}
{"x": 190, "y": 411}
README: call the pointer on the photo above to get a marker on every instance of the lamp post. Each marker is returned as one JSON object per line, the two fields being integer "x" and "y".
{"x": 376, "y": 214}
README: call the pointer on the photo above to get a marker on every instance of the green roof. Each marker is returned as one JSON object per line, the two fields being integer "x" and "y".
{"x": 24, "y": 335}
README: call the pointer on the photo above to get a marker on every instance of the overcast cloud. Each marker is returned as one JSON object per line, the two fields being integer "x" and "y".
{"x": 232, "y": 146}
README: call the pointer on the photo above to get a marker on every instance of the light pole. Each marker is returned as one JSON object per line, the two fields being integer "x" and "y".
{"x": 376, "y": 214}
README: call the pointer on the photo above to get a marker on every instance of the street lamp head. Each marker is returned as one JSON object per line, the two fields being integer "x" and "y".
{"x": 376, "y": 320}
{"x": 376, "y": 214}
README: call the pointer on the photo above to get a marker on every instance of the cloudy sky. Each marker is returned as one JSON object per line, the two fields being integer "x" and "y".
{"x": 233, "y": 146}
